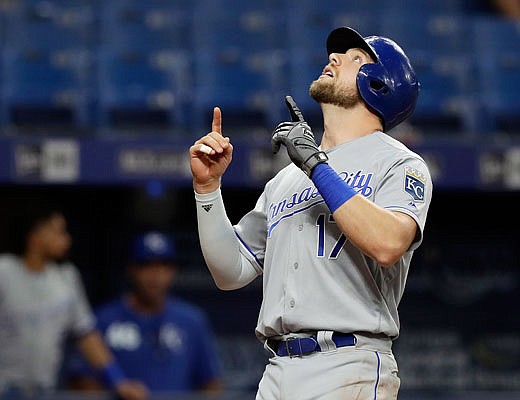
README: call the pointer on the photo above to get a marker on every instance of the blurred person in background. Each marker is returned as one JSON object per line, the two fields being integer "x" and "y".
{"x": 158, "y": 339}
{"x": 42, "y": 302}
{"x": 507, "y": 8}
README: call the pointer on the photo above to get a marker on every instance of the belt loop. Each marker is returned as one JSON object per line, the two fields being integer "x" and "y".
{"x": 325, "y": 341}
{"x": 269, "y": 349}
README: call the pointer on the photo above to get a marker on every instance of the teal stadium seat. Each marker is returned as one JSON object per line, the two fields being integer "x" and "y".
{"x": 497, "y": 57}
{"x": 144, "y": 64}
{"x": 240, "y": 62}
{"x": 146, "y": 25}
{"x": 418, "y": 9}
{"x": 437, "y": 45}
{"x": 46, "y": 64}
{"x": 136, "y": 88}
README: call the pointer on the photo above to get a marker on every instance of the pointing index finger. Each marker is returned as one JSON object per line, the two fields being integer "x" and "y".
{"x": 216, "y": 124}
{"x": 296, "y": 115}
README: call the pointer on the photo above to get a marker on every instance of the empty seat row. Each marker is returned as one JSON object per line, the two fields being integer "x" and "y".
{"x": 165, "y": 63}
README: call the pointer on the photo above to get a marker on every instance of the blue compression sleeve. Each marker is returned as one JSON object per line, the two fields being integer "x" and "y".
{"x": 332, "y": 188}
{"x": 111, "y": 375}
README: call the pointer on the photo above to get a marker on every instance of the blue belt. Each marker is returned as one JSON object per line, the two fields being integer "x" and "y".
{"x": 299, "y": 346}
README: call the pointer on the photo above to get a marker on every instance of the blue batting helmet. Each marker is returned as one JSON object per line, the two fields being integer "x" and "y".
{"x": 388, "y": 86}
{"x": 153, "y": 246}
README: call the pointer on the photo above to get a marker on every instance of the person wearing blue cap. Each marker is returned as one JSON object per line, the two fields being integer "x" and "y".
{"x": 162, "y": 341}
{"x": 43, "y": 305}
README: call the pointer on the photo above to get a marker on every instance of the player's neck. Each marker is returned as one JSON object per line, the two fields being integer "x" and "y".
{"x": 342, "y": 125}
{"x": 34, "y": 261}
{"x": 145, "y": 306}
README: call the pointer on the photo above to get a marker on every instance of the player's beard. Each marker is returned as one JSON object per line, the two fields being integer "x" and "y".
{"x": 327, "y": 91}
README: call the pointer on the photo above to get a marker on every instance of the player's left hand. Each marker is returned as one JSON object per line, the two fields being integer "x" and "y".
{"x": 297, "y": 136}
{"x": 132, "y": 390}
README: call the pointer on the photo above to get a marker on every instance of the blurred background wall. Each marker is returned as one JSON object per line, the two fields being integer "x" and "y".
{"x": 100, "y": 100}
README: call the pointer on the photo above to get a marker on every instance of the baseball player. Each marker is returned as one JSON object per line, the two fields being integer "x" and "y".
{"x": 42, "y": 302}
{"x": 333, "y": 233}
{"x": 157, "y": 339}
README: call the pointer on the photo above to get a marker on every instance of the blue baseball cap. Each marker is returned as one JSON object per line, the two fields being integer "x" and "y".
{"x": 153, "y": 246}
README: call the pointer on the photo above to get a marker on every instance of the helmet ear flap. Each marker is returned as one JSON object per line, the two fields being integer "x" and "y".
{"x": 374, "y": 86}
{"x": 374, "y": 77}
{"x": 377, "y": 85}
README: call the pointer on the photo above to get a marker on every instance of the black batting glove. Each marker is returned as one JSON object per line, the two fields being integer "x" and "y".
{"x": 297, "y": 136}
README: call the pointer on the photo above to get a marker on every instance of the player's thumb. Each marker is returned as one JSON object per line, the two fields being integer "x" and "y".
{"x": 296, "y": 114}
{"x": 275, "y": 143}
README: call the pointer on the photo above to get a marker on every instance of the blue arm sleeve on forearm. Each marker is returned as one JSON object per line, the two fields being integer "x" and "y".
{"x": 111, "y": 375}
{"x": 332, "y": 188}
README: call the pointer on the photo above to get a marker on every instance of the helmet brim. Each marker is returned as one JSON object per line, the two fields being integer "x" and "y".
{"x": 344, "y": 38}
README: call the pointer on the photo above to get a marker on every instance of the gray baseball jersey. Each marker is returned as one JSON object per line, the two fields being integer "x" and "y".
{"x": 314, "y": 278}
{"x": 37, "y": 311}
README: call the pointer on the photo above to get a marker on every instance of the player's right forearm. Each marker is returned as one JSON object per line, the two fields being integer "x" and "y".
{"x": 220, "y": 246}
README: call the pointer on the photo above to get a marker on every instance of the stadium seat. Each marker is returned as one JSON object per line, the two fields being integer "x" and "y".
{"x": 2, "y": 44}
{"x": 438, "y": 48}
{"x": 242, "y": 85}
{"x": 418, "y": 8}
{"x": 2, "y": 27}
{"x": 439, "y": 33}
{"x": 334, "y": 7}
{"x": 46, "y": 61}
{"x": 160, "y": 24}
{"x": 497, "y": 56}
{"x": 144, "y": 64}
{"x": 44, "y": 88}
{"x": 240, "y": 64}
{"x": 140, "y": 89}
{"x": 50, "y": 25}
{"x": 167, "y": 63}
{"x": 444, "y": 102}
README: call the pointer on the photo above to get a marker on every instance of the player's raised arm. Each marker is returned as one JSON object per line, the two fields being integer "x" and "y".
{"x": 210, "y": 157}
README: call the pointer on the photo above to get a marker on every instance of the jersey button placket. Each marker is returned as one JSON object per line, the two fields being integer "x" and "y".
{"x": 291, "y": 283}
{"x": 300, "y": 228}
